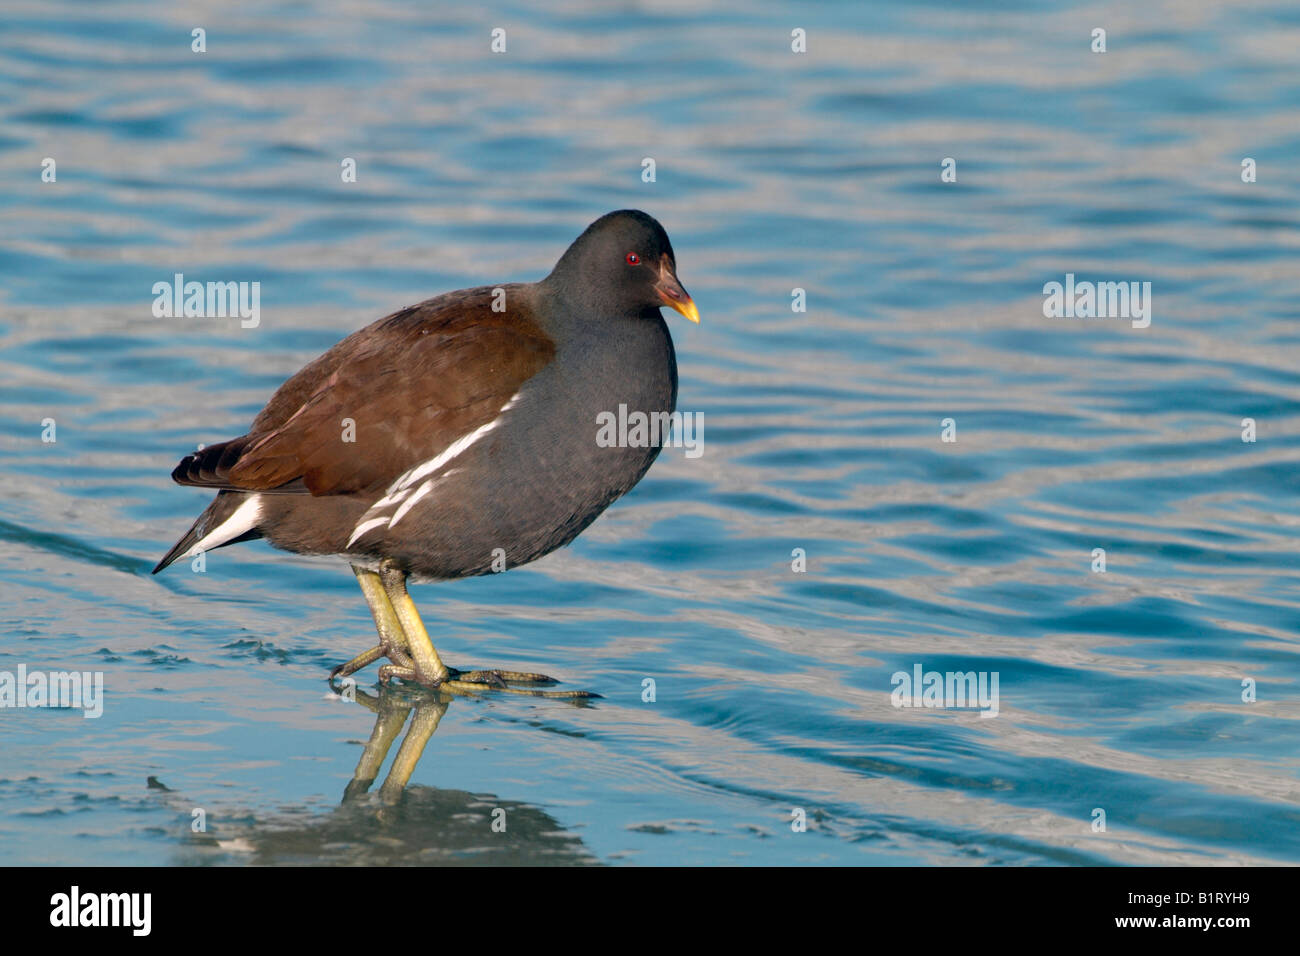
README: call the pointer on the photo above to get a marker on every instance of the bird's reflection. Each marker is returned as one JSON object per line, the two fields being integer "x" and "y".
{"x": 391, "y": 707}
{"x": 398, "y": 823}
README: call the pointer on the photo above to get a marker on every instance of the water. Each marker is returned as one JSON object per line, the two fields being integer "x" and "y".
{"x": 1120, "y": 690}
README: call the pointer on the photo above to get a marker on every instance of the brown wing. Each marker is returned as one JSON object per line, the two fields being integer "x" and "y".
{"x": 403, "y": 389}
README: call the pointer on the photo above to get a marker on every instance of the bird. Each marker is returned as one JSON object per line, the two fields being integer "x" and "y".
{"x": 458, "y": 437}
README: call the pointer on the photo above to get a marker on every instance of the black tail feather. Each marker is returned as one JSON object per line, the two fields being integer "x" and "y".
{"x": 210, "y": 466}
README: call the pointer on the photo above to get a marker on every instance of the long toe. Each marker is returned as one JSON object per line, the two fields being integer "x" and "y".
{"x": 364, "y": 659}
{"x": 555, "y": 694}
{"x": 496, "y": 677}
{"x": 389, "y": 671}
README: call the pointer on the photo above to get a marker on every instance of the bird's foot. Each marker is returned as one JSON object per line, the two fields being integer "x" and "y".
{"x": 494, "y": 679}
{"x": 475, "y": 681}
{"x": 499, "y": 678}
{"x": 395, "y": 654}
{"x": 401, "y": 666}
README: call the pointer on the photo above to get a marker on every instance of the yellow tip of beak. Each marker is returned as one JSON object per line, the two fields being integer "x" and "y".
{"x": 687, "y": 309}
{"x": 672, "y": 294}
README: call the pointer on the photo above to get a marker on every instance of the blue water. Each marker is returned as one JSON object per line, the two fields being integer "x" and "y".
{"x": 1120, "y": 691}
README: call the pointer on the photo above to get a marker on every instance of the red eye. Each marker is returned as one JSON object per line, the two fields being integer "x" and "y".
{"x": 633, "y": 259}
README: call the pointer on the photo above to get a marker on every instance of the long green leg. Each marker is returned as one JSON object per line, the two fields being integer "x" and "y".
{"x": 429, "y": 668}
{"x": 391, "y": 632}
{"x": 392, "y": 639}
{"x": 410, "y": 651}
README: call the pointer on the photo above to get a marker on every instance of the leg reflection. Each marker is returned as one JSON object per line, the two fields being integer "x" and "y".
{"x": 391, "y": 711}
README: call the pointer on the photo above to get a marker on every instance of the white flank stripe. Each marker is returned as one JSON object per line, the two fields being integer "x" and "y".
{"x": 245, "y": 518}
{"x": 364, "y": 527}
{"x": 401, "y": 489}
{"x": 410, "y": 502}
{"x": 391, "y": 498}
{"x": 450, "y": 452}
{"x": 424, "y": 489}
